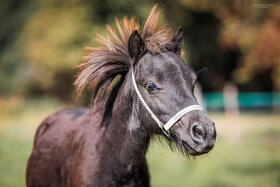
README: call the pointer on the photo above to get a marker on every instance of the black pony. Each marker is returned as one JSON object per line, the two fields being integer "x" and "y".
{"x": 140, "y": 83}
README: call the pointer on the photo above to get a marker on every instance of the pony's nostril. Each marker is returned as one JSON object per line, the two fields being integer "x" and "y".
{"x": 198, "y": 133}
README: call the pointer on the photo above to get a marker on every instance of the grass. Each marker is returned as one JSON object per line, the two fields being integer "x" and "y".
{"x": 246, "y": 153}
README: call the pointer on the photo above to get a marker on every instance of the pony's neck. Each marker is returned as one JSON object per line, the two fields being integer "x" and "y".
{"x": 126, "y": 125}
{"x": 125, "y": 141}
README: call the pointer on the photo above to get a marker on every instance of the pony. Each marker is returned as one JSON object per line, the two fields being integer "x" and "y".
{"x": 142, "y": 89}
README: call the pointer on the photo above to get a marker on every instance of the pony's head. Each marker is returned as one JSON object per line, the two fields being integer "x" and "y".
{"x": 161, "y": 84}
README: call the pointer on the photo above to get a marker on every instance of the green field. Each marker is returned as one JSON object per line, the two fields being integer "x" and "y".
{"x": 246, "y": 154}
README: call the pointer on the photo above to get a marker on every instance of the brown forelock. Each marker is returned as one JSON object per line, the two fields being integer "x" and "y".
{"x": 112, "y": 57}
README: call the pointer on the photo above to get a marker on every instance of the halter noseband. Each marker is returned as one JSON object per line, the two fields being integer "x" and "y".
{"x": 167, "y": 126}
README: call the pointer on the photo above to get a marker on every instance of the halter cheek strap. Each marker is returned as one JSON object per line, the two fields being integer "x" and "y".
{"x": 167, "y": 126}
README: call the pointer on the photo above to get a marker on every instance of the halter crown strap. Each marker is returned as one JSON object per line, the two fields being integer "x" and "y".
{"x": 164, "y": 127}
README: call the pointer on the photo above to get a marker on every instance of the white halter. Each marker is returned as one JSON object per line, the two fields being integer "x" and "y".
{"x": 167, "y": 126}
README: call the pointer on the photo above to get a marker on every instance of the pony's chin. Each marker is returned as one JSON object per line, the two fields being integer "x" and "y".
{"x": 191, "y": 151}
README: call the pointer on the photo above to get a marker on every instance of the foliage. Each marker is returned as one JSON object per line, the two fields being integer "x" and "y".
{"x": 237, "y": 40}
{"x": 13, "y": 15}
{"x": 264, "y": 55}
{"x": 42, "y": 41}
{"x": 51, "y": 44}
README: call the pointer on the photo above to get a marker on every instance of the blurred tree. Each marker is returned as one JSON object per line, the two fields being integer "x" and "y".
{"x": 13, "y": 15}
{"x": 262, "y": 62}
{"x": 52, "y": 43}
{"x": 41, "y": 41}
{"x": 221, "y": 35}
{"x": 105, "y": 11}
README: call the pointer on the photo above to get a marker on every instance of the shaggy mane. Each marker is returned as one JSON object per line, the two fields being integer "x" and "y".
{"x": 103, "y": 63}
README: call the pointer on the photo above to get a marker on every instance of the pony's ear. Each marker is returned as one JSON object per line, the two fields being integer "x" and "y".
{"x": 136, "y": 46}
{"x": 176, "y": 43}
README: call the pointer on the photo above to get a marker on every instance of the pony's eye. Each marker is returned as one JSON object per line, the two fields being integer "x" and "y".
{"x": 150, "y": 86}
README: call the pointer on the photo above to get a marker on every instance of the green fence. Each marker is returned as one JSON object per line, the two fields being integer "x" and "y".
{"x": 249, "y": 100}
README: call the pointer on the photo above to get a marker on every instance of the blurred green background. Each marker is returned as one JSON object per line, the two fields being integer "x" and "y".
{"x": 41, "y": 41}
